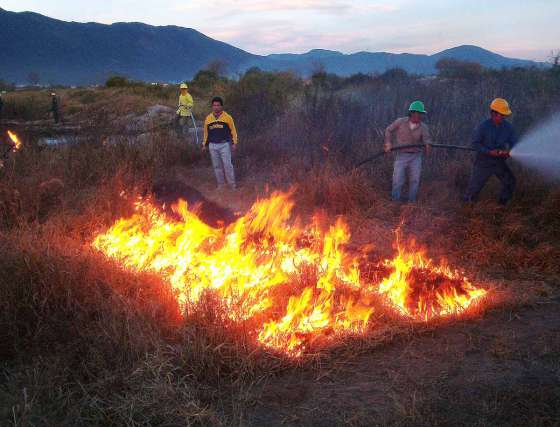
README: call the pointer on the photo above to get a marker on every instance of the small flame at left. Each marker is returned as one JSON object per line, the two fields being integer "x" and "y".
{"x": 16, "y": 142}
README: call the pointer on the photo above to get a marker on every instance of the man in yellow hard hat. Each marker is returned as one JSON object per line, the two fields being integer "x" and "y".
{"x": 493, "y": 141}
{"x": 184, "y": 110}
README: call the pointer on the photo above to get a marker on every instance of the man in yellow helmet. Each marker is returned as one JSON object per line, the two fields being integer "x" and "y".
{"x": 493, "y": 141}
{"x": 184, "y": 110}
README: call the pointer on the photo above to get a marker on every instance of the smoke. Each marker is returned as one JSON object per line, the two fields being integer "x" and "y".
{"x": 540, "y": 149}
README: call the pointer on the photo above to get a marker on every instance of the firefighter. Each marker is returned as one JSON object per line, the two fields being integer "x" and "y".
{"x": 184, "y": 110}
{"x": 54, "y": 107}
{"x": 408, "y": 130}
{"x": 493, "y": 140}
{"x": 220, "y": 137}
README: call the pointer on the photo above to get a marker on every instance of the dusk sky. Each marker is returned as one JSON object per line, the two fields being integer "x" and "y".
{"x": 523, "y": 29}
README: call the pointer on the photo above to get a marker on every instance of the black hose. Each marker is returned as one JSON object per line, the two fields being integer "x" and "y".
{"x": 403, "y": 147}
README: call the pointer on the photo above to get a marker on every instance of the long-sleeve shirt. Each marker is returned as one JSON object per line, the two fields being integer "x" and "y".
{"x": 488, "y": 137}
{"x": 406, "y": 133}
{"x": 185, "y": 104}
{"x": 219, "y": 129}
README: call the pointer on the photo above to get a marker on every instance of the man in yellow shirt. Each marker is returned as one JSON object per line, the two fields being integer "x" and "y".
{"x": 220, "y": 137}
{"x": 184, "y": 110}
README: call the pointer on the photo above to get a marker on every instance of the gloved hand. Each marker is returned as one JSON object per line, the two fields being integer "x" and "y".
{"x": 387, "y": 148}
{"x": 494, "y": 153}
{"x": 505, "y": 154}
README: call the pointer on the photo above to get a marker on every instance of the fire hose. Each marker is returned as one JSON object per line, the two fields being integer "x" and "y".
{"x": 195, "y": 128}
{"x": 403, "y": 147}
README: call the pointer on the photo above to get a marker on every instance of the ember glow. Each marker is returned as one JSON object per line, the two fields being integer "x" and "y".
{"x": 295, "y": 285}
{"x": 15, "y": 141}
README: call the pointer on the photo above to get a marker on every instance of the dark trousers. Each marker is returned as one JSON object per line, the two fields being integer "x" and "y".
{"x": 482, "y": 171}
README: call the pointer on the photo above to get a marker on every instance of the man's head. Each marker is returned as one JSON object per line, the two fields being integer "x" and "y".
{"x": 217, "y": 105}
{"x": 416, "y": 111}
{"x": 499, "y": 109}
{"x": 496, "y": 117}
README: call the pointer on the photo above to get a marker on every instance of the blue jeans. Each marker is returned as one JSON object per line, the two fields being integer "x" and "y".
{"x": 221, "y": 162}
{"x": 411, "y": 163}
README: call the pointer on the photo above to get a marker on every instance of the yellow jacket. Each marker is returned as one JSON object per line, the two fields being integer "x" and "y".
{"x": 220, "y": 129}
{"x": 185, "y": 104}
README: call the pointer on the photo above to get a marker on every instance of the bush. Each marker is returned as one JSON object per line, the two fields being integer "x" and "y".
{"x": 456, "y": 69}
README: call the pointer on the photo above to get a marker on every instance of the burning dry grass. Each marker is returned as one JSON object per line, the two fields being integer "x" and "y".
{"x": 295, "y": 287}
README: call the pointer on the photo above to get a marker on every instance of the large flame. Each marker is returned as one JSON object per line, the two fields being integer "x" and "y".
{"x": 294, "y": 285}
{"x": 297, "y": 282}
{"x": 16, "y": 142}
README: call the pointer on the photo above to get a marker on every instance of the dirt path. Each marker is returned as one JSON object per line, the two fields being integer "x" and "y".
{"x": 502, "y": 370}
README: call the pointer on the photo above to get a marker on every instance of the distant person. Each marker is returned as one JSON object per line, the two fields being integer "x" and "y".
{"x": 54, "y": 107}
{"x": 1, "y": 105}
{"x": 408, "y": 161}
{"x": 184, "y": 110}
{"x": 220, "y": 136}
{"x": 493, "y": 141}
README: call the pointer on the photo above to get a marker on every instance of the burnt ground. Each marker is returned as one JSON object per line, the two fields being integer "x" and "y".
{"x": 501, "y": 370}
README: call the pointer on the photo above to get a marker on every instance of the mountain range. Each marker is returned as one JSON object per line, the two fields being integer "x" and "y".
{"x": 72, "y": 53}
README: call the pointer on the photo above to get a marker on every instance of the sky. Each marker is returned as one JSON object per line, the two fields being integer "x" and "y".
{"x": 516, "y": 28}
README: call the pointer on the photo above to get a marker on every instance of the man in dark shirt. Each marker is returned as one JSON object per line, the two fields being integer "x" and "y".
{"x": 1, "y": 104}
{"x": 493, "y": 141}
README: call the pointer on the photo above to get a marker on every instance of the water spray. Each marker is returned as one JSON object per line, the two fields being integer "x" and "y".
{"x": 539, "y": 148}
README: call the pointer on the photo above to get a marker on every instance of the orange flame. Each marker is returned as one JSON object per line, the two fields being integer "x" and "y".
{"x": 295, "y": 286}
{"x": 419, "y": 289}
{"x": 15, "y": 141}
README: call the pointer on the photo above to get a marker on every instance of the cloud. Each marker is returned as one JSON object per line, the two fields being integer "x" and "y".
{"x": 260, "y": 7}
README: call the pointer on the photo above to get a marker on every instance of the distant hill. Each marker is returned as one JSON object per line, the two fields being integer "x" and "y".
{"x": 84, "y": 53}
{"x": 367, "y": 62}
{"x": 76, "y": 53}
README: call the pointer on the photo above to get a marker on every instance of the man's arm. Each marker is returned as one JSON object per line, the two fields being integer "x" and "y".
{"x": 232, "y": 129}
{"x": 427, "y": 138}
{"x": 477, "y": 141}
{"x": 389, "y": 134}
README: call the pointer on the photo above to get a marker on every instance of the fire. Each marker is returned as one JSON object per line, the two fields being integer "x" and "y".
{"x": 294, "y": 283}
{"x": 15, "y": 141}
{"x": 293, "y": 286}
{"x": 419, "y": 289}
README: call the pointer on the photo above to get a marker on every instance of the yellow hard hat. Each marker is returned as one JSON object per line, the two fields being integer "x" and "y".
{"x": 501, "y": 106}
{"x": 184, "y": 86}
